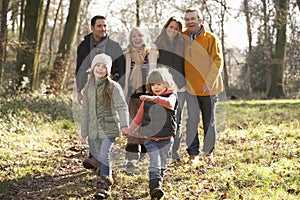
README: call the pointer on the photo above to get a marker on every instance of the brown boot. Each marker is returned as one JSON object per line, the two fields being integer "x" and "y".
{"x": 91, "y": 163}
{"x": 104, "y": 187}
{"x": 155, "y": 189}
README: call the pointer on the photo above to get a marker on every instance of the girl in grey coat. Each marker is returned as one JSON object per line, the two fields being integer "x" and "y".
{"x": 104, "y": 115}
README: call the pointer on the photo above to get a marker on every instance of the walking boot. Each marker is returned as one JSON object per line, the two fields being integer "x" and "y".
{"x": 90, "y": 163}
{"x": 155, "y": 189}
{"x": 104, "y": 187}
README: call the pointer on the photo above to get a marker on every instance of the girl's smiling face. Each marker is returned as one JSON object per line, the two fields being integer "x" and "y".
{"x": 100, "y": 70}
{"x": 158, "y": 88}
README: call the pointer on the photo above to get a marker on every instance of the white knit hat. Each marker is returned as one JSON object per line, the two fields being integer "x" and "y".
{"x": 101, "y": 58}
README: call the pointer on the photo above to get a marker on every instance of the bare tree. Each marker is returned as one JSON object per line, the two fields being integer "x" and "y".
{"x": 292, "y": 71}
{"x": 3, "y": 38}
{"x": 276, "y": 89}
{"x": 21, "y": 19}
{"x": 223, "y": 12}
{"x": 27, "y": 54}
{"x": 137, "y": 13}
{"x": 61, "y": 64}
{"x": 267, "y": 46}
{"x": 249, "y": 54}
{"x": 36, "y": 63}
{"x": 14, "y": 15}
{"x": 52, "y": 33}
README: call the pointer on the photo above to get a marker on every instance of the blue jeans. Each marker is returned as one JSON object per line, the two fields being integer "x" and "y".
{"x": 207, "y": 106}
{"x": 179, "y": 116}
{"x": 159, "y": 153}
{"x": 100, "y": 149}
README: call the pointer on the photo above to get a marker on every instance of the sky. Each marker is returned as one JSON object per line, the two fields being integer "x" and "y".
{"x": 235, "y": 29}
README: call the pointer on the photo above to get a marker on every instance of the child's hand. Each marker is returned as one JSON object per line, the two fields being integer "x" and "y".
{"x": 207, "y": 89}
{"x": 79, "y": 97}
{"x": 147, "y": 98}
{"x": 83, "y": 140}
{"x": 125, "y": 131}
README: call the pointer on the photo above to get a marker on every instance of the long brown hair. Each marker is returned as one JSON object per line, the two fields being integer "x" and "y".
{"x": 162, "y": 39}
{"x": 106, "y": 95}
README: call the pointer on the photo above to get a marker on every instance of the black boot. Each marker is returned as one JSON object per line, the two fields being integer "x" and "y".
{"x": 155, "y": 189}
{"x": 104, "y": 187}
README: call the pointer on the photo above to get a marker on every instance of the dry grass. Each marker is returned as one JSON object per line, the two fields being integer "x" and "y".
{"x": 257, "y": 155}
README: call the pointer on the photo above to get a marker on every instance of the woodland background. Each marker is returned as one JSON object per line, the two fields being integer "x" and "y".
{"x": 258, "y": 149}
{"x": 39, "y": 40}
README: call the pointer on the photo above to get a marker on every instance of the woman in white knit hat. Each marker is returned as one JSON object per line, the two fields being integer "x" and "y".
{"x": 104, "y": 115}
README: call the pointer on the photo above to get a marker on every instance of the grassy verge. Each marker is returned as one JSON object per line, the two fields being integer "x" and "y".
{"x": 257, "y": 155}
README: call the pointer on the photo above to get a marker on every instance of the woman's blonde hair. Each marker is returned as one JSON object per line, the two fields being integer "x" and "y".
{"x": 133, "y": 30}
{"x": 160, "y": 75}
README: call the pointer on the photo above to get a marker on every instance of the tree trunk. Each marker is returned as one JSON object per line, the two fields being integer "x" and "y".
{"x": 27, "y": 54}
{"x": 14, "y": 16}
{"x": 249, "y": 55}
{"x": 21, "y": 20}
{"x": 3, "y": 39}
{"x": 41, "y": 35}
{"x": 277, "y": 67}
{"x": 223, "y": 11}
{"x": 137, "y": 13}
{"x": 267, "y": 46}
{"x": 52, "y": 33}
{"x": 61, "y": 64}
{"x": 34, "y": 84}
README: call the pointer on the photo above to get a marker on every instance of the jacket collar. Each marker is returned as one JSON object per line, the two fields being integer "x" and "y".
{"x": 168, "y": 91}
{"x": 202, "y": 32}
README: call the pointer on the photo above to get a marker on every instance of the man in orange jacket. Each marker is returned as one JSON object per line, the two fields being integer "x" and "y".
{"x": 203, "y": 67}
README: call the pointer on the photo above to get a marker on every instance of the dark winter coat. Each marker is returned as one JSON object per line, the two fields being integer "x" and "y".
{"x": 86, "y": 52}
{"x": 158, "y": 121}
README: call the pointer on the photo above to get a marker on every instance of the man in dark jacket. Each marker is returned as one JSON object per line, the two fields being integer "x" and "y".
{"x": 94, "y": 43}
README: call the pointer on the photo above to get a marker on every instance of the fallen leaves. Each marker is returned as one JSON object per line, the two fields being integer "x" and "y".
{"x": 42, "y": 158}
